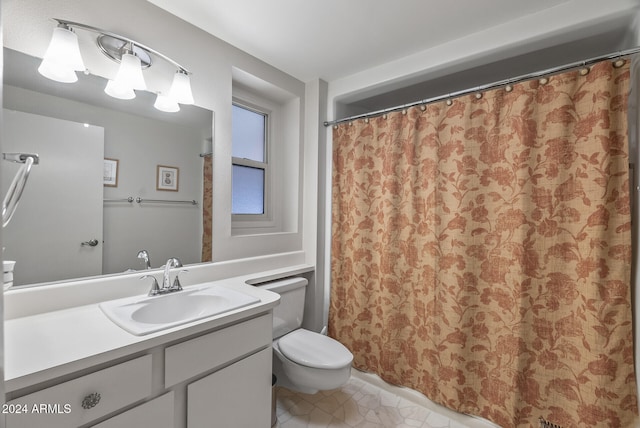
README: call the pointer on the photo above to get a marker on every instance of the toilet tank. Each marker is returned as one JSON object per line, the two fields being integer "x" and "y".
{"x": 287, "y": 316}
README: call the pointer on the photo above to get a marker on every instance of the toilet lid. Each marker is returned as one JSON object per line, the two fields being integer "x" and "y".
{"x": 314, "y": 350}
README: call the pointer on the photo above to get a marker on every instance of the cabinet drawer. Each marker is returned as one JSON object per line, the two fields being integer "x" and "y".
{"x": 62, "y": 405}
{"x": 157, "y": 413}
{"x": 193, "y": 357}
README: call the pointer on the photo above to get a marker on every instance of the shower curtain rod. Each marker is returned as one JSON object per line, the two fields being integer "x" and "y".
{"x": 494, "y": 85}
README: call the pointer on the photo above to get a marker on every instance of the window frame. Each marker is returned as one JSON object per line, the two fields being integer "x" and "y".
{"x": 264, "y": 219}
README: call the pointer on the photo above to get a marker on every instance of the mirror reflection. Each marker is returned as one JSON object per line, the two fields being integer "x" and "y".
{"x": 78, "y": 216}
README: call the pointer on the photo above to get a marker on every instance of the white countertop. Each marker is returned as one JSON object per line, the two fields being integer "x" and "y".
{"x": 48, "y": 345}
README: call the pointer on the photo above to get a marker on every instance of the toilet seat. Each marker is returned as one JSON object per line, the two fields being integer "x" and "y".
{"x": 311, "y": 349}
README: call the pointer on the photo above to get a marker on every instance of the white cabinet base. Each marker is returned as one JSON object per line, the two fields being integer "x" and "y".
{"x": 190, "y": 383}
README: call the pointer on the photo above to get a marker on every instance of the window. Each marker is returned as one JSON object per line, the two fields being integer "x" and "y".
{"x": 265, "y": 175}
{"x": 249, "y": 157}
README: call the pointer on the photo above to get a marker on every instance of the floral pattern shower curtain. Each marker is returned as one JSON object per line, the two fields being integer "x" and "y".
{"x": 481, "y": 250}
{"x": 207, "y": 207}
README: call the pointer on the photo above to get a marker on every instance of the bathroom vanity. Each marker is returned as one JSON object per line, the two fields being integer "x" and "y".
{"x": 74, "y": 367}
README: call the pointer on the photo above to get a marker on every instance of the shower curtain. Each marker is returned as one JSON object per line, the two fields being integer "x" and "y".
{"x": 207, "y": 207}
{"x": 481, "y": 250}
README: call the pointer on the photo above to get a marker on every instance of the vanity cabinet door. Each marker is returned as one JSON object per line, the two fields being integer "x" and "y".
{"x": 205, "y": 353}
{"x": 237, "y": 396}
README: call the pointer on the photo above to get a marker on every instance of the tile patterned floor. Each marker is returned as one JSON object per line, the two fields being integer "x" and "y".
{"x": 359, "y": 404}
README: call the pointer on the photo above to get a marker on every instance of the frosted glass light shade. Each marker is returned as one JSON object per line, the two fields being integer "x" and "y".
{"x": 115, "y": 90}
{"x": 181, "y": 88}
{"x": 166, "y": 104}
{"x": 55, "y": 71}
{"x": 62, "y": 57}
{"x": 130, "y": 73}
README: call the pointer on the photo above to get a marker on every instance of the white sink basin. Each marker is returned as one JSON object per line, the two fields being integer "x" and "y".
{"x": 142, "y": 315}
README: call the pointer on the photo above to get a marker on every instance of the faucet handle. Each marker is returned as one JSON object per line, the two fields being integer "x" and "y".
{"x": 155, "y": 289}
{"x": 176, "y": 282}
{"x": 144, "y": 256}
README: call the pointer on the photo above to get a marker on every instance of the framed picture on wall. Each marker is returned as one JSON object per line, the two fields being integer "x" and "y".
{"x": 110, "y": 173}
{"x": 167, "y": 178}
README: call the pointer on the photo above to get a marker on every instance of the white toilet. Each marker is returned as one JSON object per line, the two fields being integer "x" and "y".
{"x": 304, "y": 360}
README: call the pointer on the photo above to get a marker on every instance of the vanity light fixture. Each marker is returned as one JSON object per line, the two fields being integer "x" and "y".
{"x": 116, "y": 90}
{"x": 63, "y": 58}
{"x": 166, "y": 103}
{"x": 129, "y": 77}
{"x": 181, "y": 88}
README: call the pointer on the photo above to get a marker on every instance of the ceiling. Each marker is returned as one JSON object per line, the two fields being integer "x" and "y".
{"x": 330, "y": 39}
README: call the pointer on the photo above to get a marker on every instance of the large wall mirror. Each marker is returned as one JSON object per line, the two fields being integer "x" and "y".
{"x": 96, "y": 153}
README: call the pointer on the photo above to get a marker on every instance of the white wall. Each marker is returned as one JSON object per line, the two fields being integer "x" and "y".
{"x": 315, "y": 136}
{"x": 27, "y": 28}
{"x": 214, "y": 65}
{"x": 210, "y": 60}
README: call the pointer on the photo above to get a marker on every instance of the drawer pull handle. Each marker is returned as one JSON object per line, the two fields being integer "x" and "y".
{"x": 90, "y": 400}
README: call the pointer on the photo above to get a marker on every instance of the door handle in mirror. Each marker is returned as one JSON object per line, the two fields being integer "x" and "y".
{"x": 90, "y": 243}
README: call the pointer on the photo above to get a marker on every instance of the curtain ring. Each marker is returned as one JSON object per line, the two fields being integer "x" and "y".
{"x": 508, "y": 88}
{"x": 423, "y": 107}
{"x": 544, "y": 81}
{"x": 478, "y": 95}
{"x": 384, "y": 116}
{"x": 584, "y": 71}
{"x": 449, "y": 102}
{"x": 618, "y": 63}
{"x": 404, "y": 111}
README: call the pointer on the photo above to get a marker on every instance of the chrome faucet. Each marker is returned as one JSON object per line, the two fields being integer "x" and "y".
{"x": 167, "y": 287}
{"x": 166, "y": 281}
{"x": 155, "y": 290}
{"x": 144, "y": 256}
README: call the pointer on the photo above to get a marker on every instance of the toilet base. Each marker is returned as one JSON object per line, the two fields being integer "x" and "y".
{"x": 307, "y": 380}
{"x": 291, "y": 387}
{"x": 283, "y": 379}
